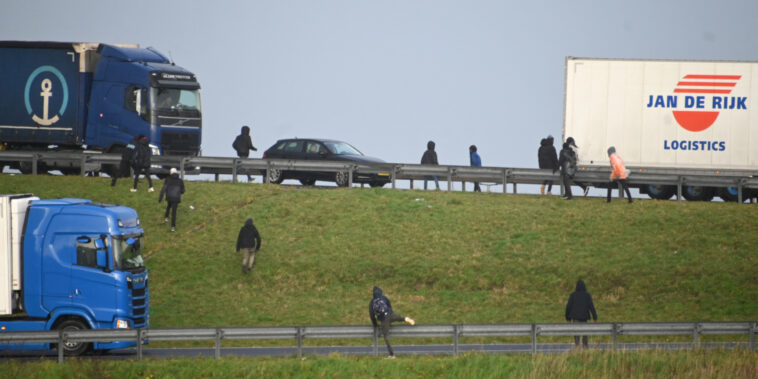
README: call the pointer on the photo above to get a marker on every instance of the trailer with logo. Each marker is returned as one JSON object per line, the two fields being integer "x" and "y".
{"x": 665, "y": 116}
{"x": 76, "y": 96}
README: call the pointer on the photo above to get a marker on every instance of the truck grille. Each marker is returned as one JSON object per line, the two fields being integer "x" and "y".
{"x": 140, "y": 306}
{"x": 180, "y": 143}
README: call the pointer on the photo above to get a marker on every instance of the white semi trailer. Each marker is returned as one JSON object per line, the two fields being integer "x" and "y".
{"x": 665, "y": 115}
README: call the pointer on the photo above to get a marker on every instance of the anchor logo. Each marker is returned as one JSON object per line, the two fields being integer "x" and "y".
{"x": 47, "y": 93}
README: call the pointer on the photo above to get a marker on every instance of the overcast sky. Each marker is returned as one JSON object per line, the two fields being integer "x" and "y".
{"x": 387, "y": 76}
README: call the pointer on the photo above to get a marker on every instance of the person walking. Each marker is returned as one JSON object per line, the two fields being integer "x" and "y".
{"x": 567, "y": 164}
{"x": 579, "y": 309}
{"x": 141, "y": 162}
{"x": 380, "y": 308}
{"x": 173, "y": 188}
{"x": 242, "y": 145}
{"x": 476, "y": 161}
{"x": 575, "y": 149}
{"x": 430, "y": 158}
{"x": 125, "y": 165}
{"x": 249, "y": 242}
{"x": 618, "y": 175}
{"x": 547, "y": 159}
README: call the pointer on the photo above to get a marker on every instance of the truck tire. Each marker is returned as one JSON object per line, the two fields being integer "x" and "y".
{"x": 696, "y": 193}
{"x": 342, "y": 179}
{"x": 73, "y": 348}
{"x": 731, "y": 194}
{"x": 660, "y": 192}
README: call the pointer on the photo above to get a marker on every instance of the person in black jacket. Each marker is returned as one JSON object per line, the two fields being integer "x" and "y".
{"x": 243, "y": 144}
{"x": 567, "y": 164}
{"x": 548, "y": 159}
{"x": 141, "y": 162}
{"x": 380, "y": 308}
{"x": 173, "y": 188}
{"x": 430, "y": 157}
{"x": 126, "y": 159}
{"x": 579, "y": 309}
{"x": 249, "y": 241}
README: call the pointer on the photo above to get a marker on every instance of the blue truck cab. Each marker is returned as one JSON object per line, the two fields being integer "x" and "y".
{"x": 81, "y": 267}
{"x": 75, "y": 95}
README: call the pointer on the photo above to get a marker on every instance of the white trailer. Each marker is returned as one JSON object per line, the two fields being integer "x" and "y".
{"x": 12, "y": 215}
{"x": 664, "y": 114}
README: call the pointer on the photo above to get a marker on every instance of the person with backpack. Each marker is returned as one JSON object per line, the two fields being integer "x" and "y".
{"x": 126, "y": 159}
{"x": 141, "y": 162}
{"x": 579, "y": 309}
{"x": 243, "y": 144}
{"x": 173, "y": 188}
{"x": 380, "y": 309}
{"x": 248, "y": 241}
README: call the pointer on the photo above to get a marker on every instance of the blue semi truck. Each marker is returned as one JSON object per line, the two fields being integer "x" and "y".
{"x": 76, "y": 96}
{"x": 70, "y": 264}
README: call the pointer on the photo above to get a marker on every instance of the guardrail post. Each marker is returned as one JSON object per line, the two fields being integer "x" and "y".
{"x": 679, "y": 189}
{"x": 393, "y": 174}
{"x": 534, "y": 339}
{"x": 140, "y": 337}
{"x": 376, "y": 341}
{"x": 455, "y": 340}
{"x": 60, "y": 345}
{"x": 299, "y": 342}
{"x": 350, "y": 176}
{"x": 34, "y": 163}
{"x": 82, "y": 162}
{"x": 234, "y": 171}
{"x": 505, "y": 181}
{"x": 219, "y": 336}
{"x": 696, "y": 336}
{"x": 449, "y": 179}
{"x": 181, "y": 167}
{"x": 753, "y": 330}
{"x": 265, "y": 174}
{"x": 614, "y": 335}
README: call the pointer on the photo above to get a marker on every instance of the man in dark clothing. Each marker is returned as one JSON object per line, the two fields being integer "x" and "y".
{"x": 380, "y": 308}
{"x": 579, "y": 309}
{"x": 243, "y": 144}
{"x": 548, "y": 159}
{"x": 567, "y": 164}
{"x": 430, "y": 157}
{"x": 173, "y": 188}
{"x": 249, "y": 241}
{"x": 126, "y": 159}
{"x": 141, "y": 162}
{"x": 574, "y": 148}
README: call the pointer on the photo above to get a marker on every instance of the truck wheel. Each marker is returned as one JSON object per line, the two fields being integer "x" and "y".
{"x": 73, "y": 348}
{"x": 695, "y": 193}
{"x": 275, "y": 176}
{"x": 731, "y": 194}
{"x": 342, "y": 178}
{"x": 660, "y": 192}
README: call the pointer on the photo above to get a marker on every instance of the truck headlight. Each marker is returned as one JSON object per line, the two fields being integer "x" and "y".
{"x": 122, "y": 324}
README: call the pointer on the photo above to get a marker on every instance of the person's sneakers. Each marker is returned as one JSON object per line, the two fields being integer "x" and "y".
{"x": 410, "y": 321}
{"x": 173, "y": 228}
{"x": 586, "y": 191}
{"x": 151, "y": 189}
{"x": 390, "y": 357}
{"x": 165, "y": 220}
{"x": 133, "y": 190}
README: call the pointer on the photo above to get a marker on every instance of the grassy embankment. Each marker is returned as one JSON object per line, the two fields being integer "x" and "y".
{"x": 441, "y": 257}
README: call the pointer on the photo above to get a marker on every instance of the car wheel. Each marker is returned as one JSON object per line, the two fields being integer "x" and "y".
{"x": 275, "y": 175}
{"x": 307, "y": 182}
{"x": 73, "y": 348}
{"x": 342, "y": 178}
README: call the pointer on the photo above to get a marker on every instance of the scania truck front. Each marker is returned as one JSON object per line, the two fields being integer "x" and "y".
{"x": 76, "y": 96}
{"x": 70, "y": 264}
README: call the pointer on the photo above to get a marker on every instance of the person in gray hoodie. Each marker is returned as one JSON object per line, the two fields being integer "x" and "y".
{"x": 430, "y": 157}
{"x": 380, "y": 308}
{"x": 579, "y": 309}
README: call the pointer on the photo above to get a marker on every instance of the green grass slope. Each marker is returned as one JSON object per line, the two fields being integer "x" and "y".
{"x": 441, "y": 257}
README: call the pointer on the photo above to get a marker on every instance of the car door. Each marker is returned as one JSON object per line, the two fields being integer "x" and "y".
{"x": 316, "y": 151}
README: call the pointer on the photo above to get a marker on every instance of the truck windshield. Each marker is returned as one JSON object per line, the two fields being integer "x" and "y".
{"x": 175, "y": 106}
{"x": 127, "y": 253}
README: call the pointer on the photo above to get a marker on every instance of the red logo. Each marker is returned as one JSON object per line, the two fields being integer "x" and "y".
{"x": 696, "y": 121}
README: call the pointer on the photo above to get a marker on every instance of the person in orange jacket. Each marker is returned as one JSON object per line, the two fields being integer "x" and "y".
{"x": 618, "y": 175}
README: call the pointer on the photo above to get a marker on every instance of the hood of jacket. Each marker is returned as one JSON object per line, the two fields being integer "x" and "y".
{"x": 249, "y": 222}
{"x": 245, "y": 130}
{"x": 430, "y": 145}
{"x": 580, "y": 287}
{"x": 377, "y": 292}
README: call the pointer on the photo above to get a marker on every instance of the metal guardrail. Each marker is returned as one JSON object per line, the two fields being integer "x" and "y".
{"x": 300, "y": 333}
{"x": 89, "y": 161}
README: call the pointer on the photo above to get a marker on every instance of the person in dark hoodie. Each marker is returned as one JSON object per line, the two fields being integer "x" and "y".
{"x": 126, "y": 158}
{"x": 380, "y": 308}
{"x": 430, "y": 157}
{"x": 579, "y": 309}
{"x": 173, "y": 188}
{"x": 249, "y": 241}
{"x": 567, "y": 164}
{"x": 141, "y": 162}
{"x": 243, "y": 144}
{"x": 575, "y": 149}
{"x": 547, "y": 159}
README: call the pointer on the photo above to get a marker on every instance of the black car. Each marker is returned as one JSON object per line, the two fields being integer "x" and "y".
{"x": 325, "y": 150}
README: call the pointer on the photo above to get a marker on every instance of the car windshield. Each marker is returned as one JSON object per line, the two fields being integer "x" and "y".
{"x": 341, "y": 148}
{"x": 127, "y": 253}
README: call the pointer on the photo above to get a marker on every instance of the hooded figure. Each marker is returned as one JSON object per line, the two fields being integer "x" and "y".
{"x": 380, "y": 308}
{"x": 547, "y": 159}
{"x": 141, "y": 160}
{"x": 126, "y": 160}
{"x": 430, "y": 157}
{"x": 579, "y": 308}
{"x": 249, "y": 241}
{"x": 173, "y": 188}
{"x": 243, "y": 143}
